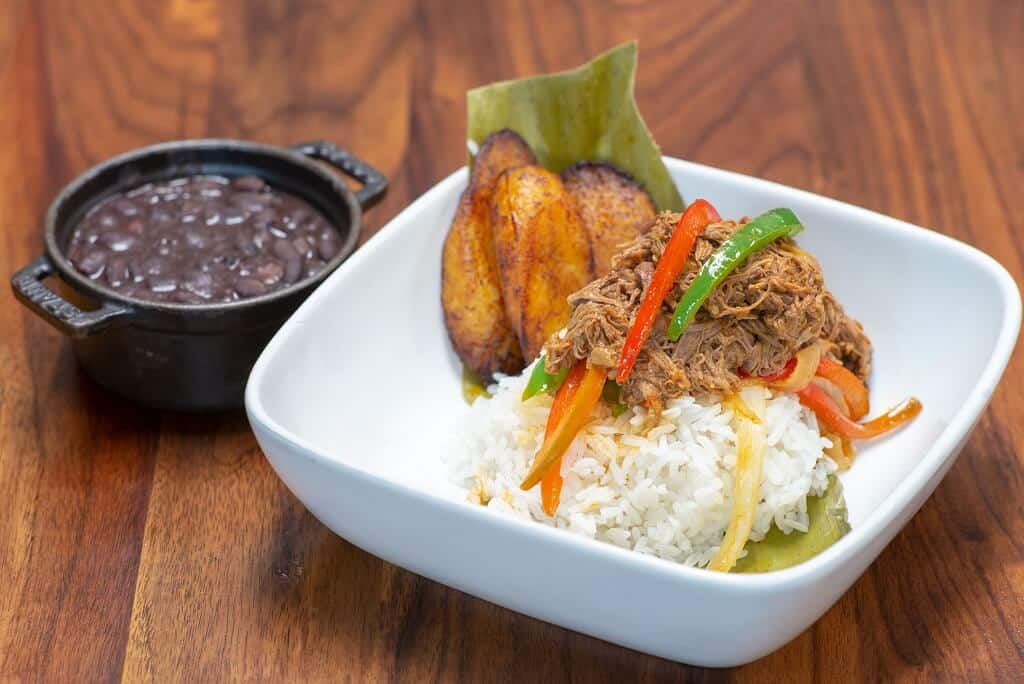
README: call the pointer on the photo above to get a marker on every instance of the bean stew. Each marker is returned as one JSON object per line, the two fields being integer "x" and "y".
{"x": 202, "y": 239}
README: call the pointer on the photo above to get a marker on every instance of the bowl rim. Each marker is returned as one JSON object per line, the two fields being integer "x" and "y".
{"x": 101, "y": 293}
{"x": 826, "y": 562}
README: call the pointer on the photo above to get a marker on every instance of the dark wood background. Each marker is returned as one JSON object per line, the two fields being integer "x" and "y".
{"x": 158, "y": 547}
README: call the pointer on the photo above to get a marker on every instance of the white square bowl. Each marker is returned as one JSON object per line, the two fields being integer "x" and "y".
{"x": 354, "y": 400}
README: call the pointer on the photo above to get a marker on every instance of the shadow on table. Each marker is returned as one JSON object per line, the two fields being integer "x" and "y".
{"x": 368, "y": 616}
{"x": 90, "y": 397}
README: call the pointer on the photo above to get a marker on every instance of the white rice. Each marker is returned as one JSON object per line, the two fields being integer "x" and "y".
{"x": 663, "y": 488}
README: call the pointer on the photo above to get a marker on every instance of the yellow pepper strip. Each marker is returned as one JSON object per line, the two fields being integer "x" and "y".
{"x": 747, "y": 493}
{"x": 575, "y": 417}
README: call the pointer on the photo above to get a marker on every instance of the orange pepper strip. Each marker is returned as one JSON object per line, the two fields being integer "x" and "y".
{"x": 694, "y": 220}
{"x": 577, "y": 413}
{"x": 831, "y": 414}
{"x": 551, "y": 484}
{"x": 854, "y": 391}
{"x": 551, "y": 488}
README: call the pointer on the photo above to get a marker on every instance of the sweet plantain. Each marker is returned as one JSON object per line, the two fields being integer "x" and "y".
{"x": 543, "y": 252}
{"x": 474, "y": 312}
{"x": 614, "y": 207}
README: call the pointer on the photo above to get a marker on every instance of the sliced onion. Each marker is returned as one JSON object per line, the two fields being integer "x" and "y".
{"x": 750, "y": 448}
{"x": 842, "y": 450}
{"x": 849, "y": 449}
{"x": 756, "y": 399}
{"x": 806, "y": 366}
{"x": 739, "y": 408}
{"x": 854, "y": 391}
{"x": 835, "y": 393}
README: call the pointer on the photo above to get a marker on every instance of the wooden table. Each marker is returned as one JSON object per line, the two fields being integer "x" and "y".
{"x": 152, "y": 546}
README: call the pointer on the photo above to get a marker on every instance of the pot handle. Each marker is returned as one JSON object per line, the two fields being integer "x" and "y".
{"x": 57, "y": 311}
{"x": 374, "y": 183}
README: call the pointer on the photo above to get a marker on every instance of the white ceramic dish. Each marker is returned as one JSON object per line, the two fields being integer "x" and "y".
{"x": 355, "y": 397}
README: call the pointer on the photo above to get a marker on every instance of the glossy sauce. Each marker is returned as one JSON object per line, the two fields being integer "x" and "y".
{"x": 202, "y": 239}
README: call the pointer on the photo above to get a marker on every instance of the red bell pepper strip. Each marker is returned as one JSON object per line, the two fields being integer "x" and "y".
{"x": 551, "y": 484}
{"x": 694, "y": 220}
{"x": 831, "y": 414}
{"x": 576, "y": 415}
{"x": 780, "y": 374}
{"x": 854, "y": 391}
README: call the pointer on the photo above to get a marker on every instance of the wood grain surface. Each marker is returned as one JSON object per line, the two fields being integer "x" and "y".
{"x": 149, "y": 546}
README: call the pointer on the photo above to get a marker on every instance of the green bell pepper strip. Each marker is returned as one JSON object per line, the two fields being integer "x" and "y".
{"x": 611, "y": 395}
{"x": 759, "y": 233}
{"x": 542, "y": 381}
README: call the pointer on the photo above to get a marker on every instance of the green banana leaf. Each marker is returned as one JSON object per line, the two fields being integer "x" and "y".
{"x": 776, "y": 551}
{"x": 586, "y": 113}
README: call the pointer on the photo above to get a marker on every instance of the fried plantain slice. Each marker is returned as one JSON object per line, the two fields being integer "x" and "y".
{"x": 474, "y": 312}
{"x": 543, "y": 252}
{"x": 614, "y": 207}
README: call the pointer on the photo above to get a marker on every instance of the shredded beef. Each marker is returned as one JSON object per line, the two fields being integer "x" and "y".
{"x": 773, "y": 305}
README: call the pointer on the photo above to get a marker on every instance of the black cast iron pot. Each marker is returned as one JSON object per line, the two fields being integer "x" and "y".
{"x": 187, "y": 356}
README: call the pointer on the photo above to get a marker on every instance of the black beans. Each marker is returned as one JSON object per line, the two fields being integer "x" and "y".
{"x": 249, "y": 287}
{"x": 198, "y": 283}
{"x": 162, "y": 284}
{"x": 250, "y": 201}
{"x": 202, "y": 239}
{"x": 117, "y": 242}
{"x": 118, "y": 272}
{"x": 327, "y": 247}
{"x": 249, "y": 183}
{"x": 233, "y": 217}
{"x": 270, "y": 272}
{"x": 154, "y": 266}
{"x": 185, "y": 297}
{"x": 314, "y": 267}
{"x": 196, "y": 238}
{"x": 302, "y": 247}
{"x": 92, "y": 263}
{"x": 260, "y": 237}
{"x": 283, "y": 250}
{"x": 126, "y": 207}
{"x": 292, "y": 269}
